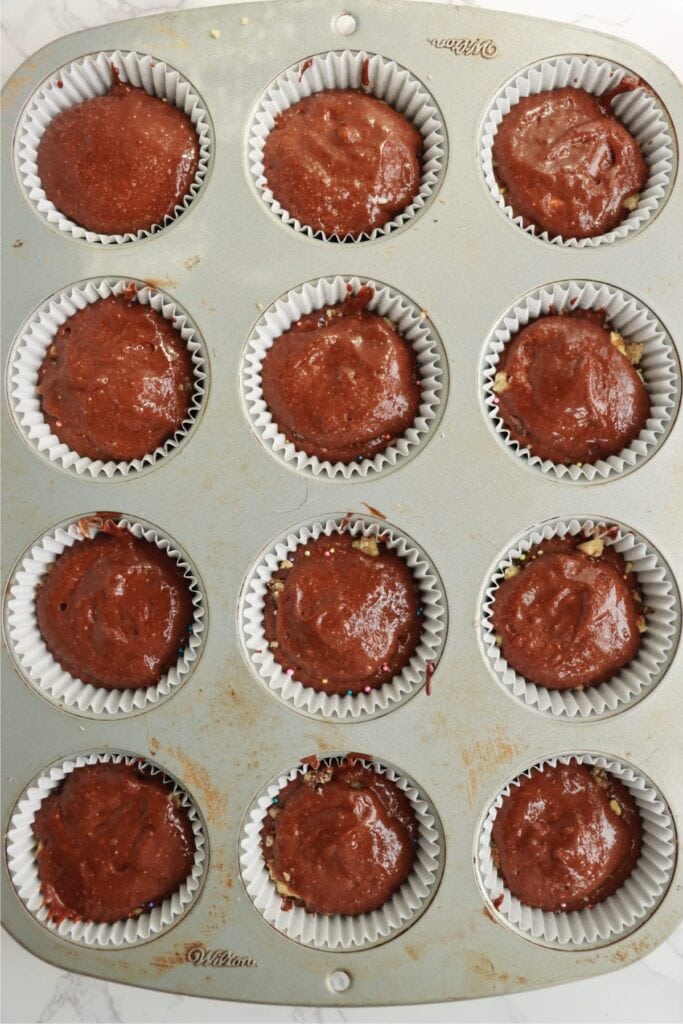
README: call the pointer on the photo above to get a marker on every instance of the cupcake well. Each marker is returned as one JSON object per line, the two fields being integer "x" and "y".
{"x": 344, "y": 707}
{"x": 23, "y": 866}
{"x": 30, "y": 348}
{"x": 344, "y": 932}
{"x": 349, "y": 69}
{"x": 623, "y": 911}
{"x": 634, "y": 681}
{"x": 87, "y": 78}
{"x": 639, "y": 110}
{"x": 410, "y": 322}
{"x": 34, "y": 661}
{"x": 659, "y": 368}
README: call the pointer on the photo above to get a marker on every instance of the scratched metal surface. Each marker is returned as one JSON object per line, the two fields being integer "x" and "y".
{"x": 223, "y": 497}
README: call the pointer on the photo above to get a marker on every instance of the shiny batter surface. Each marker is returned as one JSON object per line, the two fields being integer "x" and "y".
{"x": 117, "y": 380}
{"x": 340, "y": 840}
{"x": 566, "y": 619}
{"x": 114, "y": 610}
{"x": 342, "y": 619}
{"x": 570, "y": 395}
{"x": 566, "y": 837}
{"x": 341, "y": 383}
{"x": 567, "y": 164}
{"x": 113, "y": 841}
{"x": 343, "y": 162}
{"x": 120, "y": 162}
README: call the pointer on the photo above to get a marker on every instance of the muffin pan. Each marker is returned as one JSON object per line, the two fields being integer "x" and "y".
{"x": 228, "y": 496}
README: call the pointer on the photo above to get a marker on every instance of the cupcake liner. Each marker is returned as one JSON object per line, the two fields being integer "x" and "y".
{"x": 23, "y": 866}
{"x": 343, "y": 932}
{"x": 659, "y": 369}
{"x": 30, "y": 653}
{"x": 623, "y": 911}
{"x": 87, "y": 78}
{"x": 640, "y": 111}
{"x": 344, "y": 69}
{"x": 658, "y": 644}
{"x": 343, "y": 707}
{"x": 30, "y": 348}
{"x": 410, "y": 323}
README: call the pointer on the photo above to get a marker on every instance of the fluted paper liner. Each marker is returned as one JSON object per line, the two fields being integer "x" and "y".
{"x": 658, "y": 367}
{"x": 344, "y": 707}
{"x": 29, "y": 351}
{"x": 410, "y": 322}
{"x": 23, "y": 866}
{"x": 342, "y": 932}
{"x": 30, "y": 652}
{"x": 85, "y": 79}
{"x": 639, "y": 110}
{"x": 623, "y": 911}
{"x": 343, "y": 69}
{"x": 657, "y": 648}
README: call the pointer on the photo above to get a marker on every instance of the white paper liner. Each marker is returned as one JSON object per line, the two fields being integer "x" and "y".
{"x": 640, "y": 112}
{"x": 410, "y": 323}
{"x": 623, "y": 911}
{"x": 658, "y": 367}
{"x": 342, "y": 932}
{"x": 34, "y": 660}
{"x": 344, "y": 707}
{"x": 344, "y": 70}
{"x": 29, "y": 351}
{"x": 84, "y": 79}
{"x": 23, "y": 866}
{"x": 658, "y": 645}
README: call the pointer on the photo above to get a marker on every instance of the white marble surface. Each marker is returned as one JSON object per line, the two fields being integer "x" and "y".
{"x": 650, "y": 990}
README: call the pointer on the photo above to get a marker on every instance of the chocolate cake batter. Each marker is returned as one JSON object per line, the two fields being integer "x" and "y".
{"x": 567, "y": 164}
{"x": 567, "y": 619}
{"x": 343, "y": 162}
{"x": 341, "y": 383}
{"x": 566, "y": 837}
{"x": 113, "y": 842}
{"x": 117, "y": 380}
{"x": 340, "y": 840}
{"x": 344, "y": 616}
{"x": 114, "y": 610}
{"x": 570, "y": 395}
{"x": 120, "y": 162}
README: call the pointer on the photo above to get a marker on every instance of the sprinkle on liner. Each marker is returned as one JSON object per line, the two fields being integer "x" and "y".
{"x": 430, "y": 666}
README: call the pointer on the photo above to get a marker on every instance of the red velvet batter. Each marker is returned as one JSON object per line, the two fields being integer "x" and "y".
{"x": 341, "y": 841}
{"x": 567, "y": 164}
{"x": 341, "y": 383}
{"x": 113, "y": 843}
{"x": 114, "y": 610}
{"x": 571, "y": 395}
{"x": 343, "y": 162}
{"x": 566, "y": 837}
{"x": 568, "y": 620}
{"x": 117, "y": 381}
{"x": 120, "y": 162}
{"x": 342, "y": 616}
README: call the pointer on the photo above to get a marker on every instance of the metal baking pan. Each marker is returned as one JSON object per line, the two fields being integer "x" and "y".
{"x": 224, "y": 498}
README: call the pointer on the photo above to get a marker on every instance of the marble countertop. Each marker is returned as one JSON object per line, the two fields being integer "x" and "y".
{"x": 649, "y": 990}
